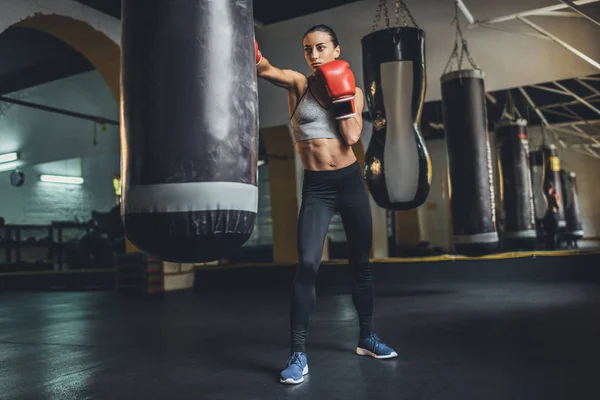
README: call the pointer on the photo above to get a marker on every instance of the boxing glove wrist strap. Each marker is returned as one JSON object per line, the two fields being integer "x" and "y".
{"x": 344, "y": 108}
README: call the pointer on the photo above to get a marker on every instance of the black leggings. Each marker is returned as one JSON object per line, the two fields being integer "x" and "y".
{"x": 323, "y": 194}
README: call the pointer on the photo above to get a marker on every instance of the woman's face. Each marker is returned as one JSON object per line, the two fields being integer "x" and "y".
{"x": 319, "y": 49}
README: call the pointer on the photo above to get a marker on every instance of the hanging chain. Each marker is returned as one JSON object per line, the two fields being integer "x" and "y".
{"x": 401, "y": 8}
{"x": 544, "y": 137}
{"x": 401, "y": 5}
{"x": 459, "y": 42}
{"x": 382, "y": 5}
{"x": 377, "y": 16}
{"x": 510, "y": 108}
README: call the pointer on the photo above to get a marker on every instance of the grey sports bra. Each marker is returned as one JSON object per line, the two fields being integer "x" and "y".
{"x": 311, "y": 121}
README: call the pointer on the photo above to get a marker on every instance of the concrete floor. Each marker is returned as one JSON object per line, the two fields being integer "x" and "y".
{"x": 490, "y": 340}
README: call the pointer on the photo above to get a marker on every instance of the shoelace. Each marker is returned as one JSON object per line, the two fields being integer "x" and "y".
{"x": 376, "y": 340}
{"x": 295, "y": 359}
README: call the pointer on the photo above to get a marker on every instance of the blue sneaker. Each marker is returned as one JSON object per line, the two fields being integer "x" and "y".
{"x": 295, "y": 369}
{"x": 374, "y": 347}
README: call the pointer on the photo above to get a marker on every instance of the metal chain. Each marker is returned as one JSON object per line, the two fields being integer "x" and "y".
{"x": 401, "y": 8}
{"x": 382, "y": 4}
{"x": 385, "y": 12}
{"x": 378, "y": 15}
{"x": 459, "y": 41}
{"x": 406, "y": 12}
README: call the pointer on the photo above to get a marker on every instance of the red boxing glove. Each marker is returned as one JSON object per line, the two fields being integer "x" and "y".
{"x": 257, "y": 53}
{"x": 341, "y": 87}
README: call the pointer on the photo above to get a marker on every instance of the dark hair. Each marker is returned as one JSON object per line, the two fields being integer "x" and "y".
{"x": 326, "y": 29}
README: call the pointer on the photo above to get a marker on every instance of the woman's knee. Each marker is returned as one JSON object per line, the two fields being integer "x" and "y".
{"x": 359, "y": 253}
{"x": 307, "y": 269}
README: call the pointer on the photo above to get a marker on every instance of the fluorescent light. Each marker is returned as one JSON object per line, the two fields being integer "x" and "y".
{"x": 8, "y": 157}
{"x": 261, "y": 163}
{"x": 9, "y": 166}
{"x": 76, "y": 180}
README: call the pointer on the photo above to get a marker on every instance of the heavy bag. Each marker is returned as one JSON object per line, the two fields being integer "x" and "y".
{"x": 574, "y": 228}
{"x": 472, "y": 201}
{"x": 537, "y": 166}
{"x": 497, "y": 180}
{"x": 517, "y": 191}
{"x": 397, "y": 165}
{"x": 552, "y": 177}
{"x": 189, "y": 105}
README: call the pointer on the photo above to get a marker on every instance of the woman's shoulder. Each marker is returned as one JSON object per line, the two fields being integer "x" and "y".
{"x": 302, "y": 84}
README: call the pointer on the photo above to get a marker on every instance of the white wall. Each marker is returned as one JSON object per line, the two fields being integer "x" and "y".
{"x": 434, "y": 214}
{"x": 262, "y": 234}
{"x": 50, "y": 143}
{"x": 40, "y": 203}
{"x": 587, "y": 169}
{"x": 508, "y": 59}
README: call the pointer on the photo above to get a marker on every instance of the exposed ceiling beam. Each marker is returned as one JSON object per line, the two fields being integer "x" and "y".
{"x": 536, "y": 11}
{"x": 534, "y": 106}
{"x": 538, "y": 112}
{"x": 578, "y": 129}
{"x": 508, "y": 30}
{"x": 585, "y": 150}
{"x": 591, "y": 99}
{"x": 558, "y": 128}
{"x": 584, "y": 145}
{"x": 569, "y": 132}
{"x": 580, "y": 99}
{"x": 559, "y": 41}
{"x": 588, "y": 86}
{"x": 585, "y": 153}
{"x": 491, "y": 98}
{"x": 587, "y": 14}
{"x": 562, "y": 114}
{"x": 550, "y": 89}
{"x": 592, "y": 152}
{"x": 465, "y": 11}
{"x": 560, "y": 14}
{"x": 573, "y": 113}
{"x": 580, "y": 118}
{"x": 585, "y": 122}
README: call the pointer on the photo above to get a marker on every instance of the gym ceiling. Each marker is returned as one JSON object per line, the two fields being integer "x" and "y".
{"x": 36, "y": 58}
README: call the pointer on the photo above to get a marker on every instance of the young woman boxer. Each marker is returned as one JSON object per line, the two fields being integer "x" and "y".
{"x": 326, "y": 117}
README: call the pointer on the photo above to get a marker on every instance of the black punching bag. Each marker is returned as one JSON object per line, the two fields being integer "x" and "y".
{"x": 517, "y": 191}
{"x": 472, "y": 201}
{"x": 189, "y": 138}
{"x": 574, "y": 228}
{"x": 397, "y": 165}
{"x": 552, "y": 177}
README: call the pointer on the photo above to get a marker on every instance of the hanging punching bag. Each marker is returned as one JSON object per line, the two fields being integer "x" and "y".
{"x": 517, "y": 191}
{"x": 472, "y": 200}
{"x": 536, "y": 164}
{"x": 552, "y": 177}
{"x": 397, "y": 165}
{"x": 189, "y": 119}
{"x": 497, "y": 184}
{"x": 574, "y": 228}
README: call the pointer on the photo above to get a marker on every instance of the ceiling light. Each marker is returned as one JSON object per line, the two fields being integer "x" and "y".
{"x": 75, "y": 180}
{"x": 8, "y": 157}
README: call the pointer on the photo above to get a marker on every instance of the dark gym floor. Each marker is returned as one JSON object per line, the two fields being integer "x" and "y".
{"x": 470, "y": 340}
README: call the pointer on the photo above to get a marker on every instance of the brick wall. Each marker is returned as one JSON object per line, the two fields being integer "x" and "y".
{"x": 50, "y": 143}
